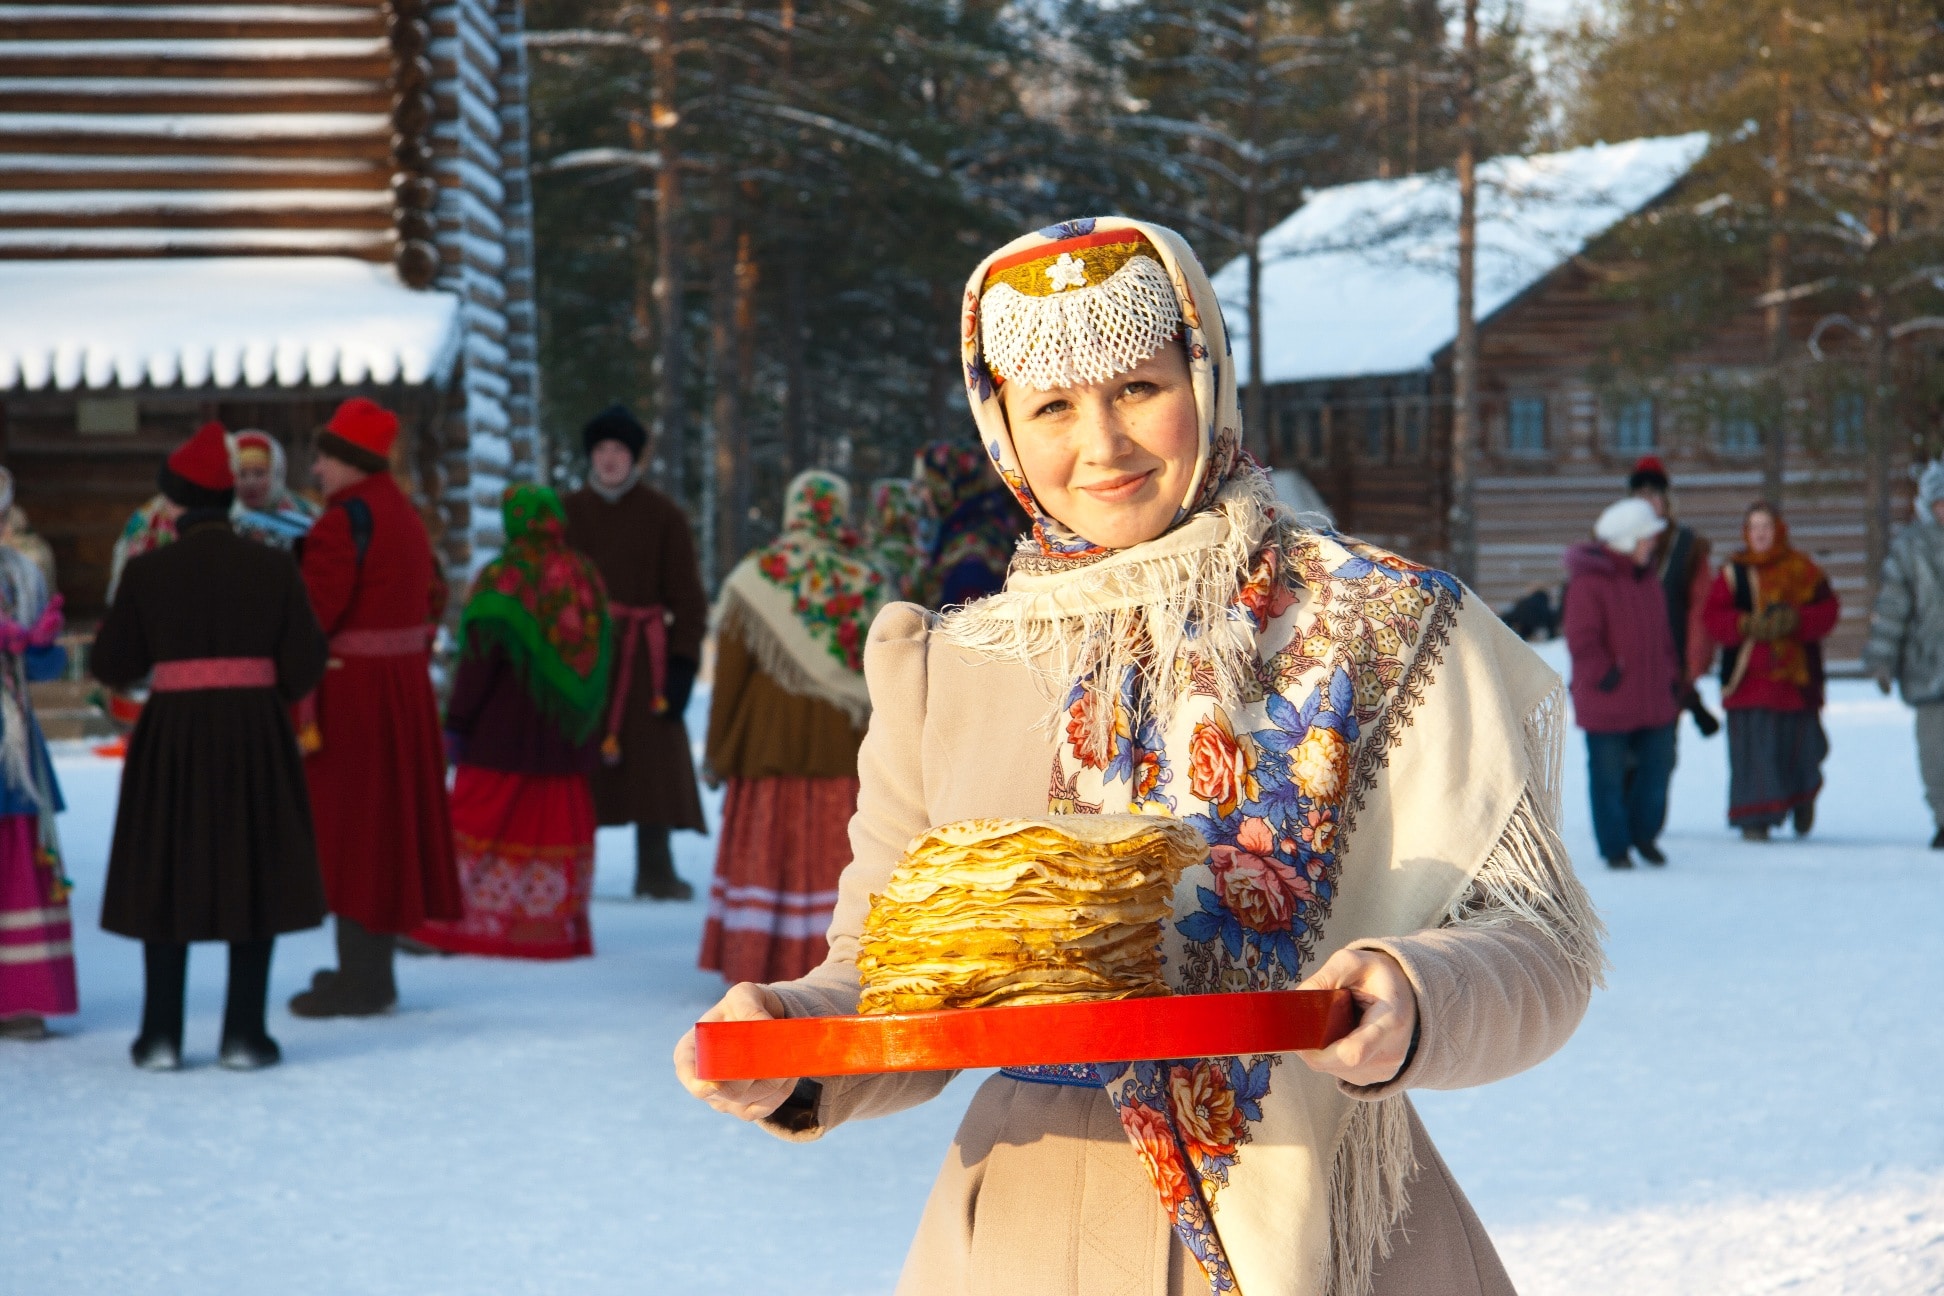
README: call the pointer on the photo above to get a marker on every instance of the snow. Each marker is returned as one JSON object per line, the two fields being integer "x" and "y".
{"x": 269, "y": 48}
{"x": 217, "y": 13}
{"x": 21, "y": 163}
{"x": 225, "y": 87}
{"x": 222, "y": 321}
{"x": 199, "y": 126}
{"x": 1359, "y": 280}
{"x": 1749, "y": 1108}
{"x": 65, "y": 202}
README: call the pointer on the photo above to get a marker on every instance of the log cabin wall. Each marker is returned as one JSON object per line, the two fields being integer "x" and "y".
{"x": 1557, "y": 449}
{"x": 388, "y": 132}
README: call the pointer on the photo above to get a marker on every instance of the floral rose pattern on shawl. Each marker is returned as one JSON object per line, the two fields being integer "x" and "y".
{"x": 833, "y": 594}
{"x": 1346, "y": 635}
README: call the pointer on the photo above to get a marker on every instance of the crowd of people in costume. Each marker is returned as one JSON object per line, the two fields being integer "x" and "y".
{"x": 289, "y": 758}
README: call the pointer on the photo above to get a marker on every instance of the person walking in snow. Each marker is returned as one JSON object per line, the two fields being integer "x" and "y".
{"x": 1770, "y": 609}
{"x": 213, "y": 833}
{"x": 639, "y": 540}
{"x": 1626, "y": 682}
{"x": 1680, "y": 563}
{"x": 1907, "y": 632}
{"x": 376, "y": 760}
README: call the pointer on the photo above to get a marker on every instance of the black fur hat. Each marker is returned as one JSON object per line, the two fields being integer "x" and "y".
{"x": 615, "y": 423}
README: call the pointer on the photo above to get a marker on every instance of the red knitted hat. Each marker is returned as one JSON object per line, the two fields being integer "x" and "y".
{"x": 1649, "y": 471}
{"x": 360, "y": 433}
{"x": 204, "y": 459}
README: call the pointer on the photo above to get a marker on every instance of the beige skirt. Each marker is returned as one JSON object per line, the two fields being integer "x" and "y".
{"x": 1042, "y": 1195}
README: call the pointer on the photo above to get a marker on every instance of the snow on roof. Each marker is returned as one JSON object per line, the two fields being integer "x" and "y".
{"x": 219, "y": 322}
{"x": 268, "y": 125}
{"x": 1360, "y": 280}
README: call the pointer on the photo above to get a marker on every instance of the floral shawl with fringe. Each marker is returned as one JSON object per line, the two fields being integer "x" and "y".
{"x": 804, "y": 603}
{"x": 545, "y": 607}
{"x": 1366, "y": 749}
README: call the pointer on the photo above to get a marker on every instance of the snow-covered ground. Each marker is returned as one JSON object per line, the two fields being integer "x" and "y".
{"x": 1753, "y": 1105}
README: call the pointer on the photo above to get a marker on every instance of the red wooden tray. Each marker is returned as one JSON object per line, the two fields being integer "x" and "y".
{"x": 1115, "y": 1030}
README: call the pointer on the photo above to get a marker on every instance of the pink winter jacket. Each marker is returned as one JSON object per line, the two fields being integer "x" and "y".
{"x": 1624, "y": 671}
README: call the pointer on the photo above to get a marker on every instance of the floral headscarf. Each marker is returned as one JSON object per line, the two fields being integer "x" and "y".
{"x": 804, "y": 602}
{"x": 979, "y": 524}
{"x": 544, "y": 606}
{"x": 1085, "y": 256}
{"x": 897, "y": 534}
{"x": 1783, "y": 573}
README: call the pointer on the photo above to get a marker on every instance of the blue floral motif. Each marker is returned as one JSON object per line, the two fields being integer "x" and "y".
{"x": 1069, "y": 229}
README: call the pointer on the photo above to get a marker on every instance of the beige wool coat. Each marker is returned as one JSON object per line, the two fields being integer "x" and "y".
{"x": 1041, "y": 1192}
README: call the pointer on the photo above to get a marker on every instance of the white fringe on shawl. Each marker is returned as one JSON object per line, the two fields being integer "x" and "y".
{"x": 734, "y": 615}
{"x": 1528, "y": 878}
{"x": 1160, "y": 608}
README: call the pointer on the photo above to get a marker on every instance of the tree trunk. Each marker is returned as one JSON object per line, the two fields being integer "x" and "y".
{"x": 1775, "y": 449}
{"x": 671, "y": 406}
{"x": 1463, "y": 539}
{"x": 1255, "y": 425}
{"x": 719, "y": 510}
{"x": 794, "y": 376}
{"x": 747, "y": 274}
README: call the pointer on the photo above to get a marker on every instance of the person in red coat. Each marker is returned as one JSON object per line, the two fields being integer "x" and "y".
{"x": 1627, "y": 681}
{"x": 376, "y": 763}
{"x": 1770, "y": 609}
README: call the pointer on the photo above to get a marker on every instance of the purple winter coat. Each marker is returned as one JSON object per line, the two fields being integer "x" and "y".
{"x": 1625, "y": 675}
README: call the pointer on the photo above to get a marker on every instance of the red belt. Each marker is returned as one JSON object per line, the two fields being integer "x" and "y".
{"x": 401, "y": 642}
{"x": 653, "y": 621}
{"x": 192, "y": 673}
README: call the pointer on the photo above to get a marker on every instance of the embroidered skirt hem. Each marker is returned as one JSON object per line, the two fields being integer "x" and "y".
{"x": 784, "y": 842}
{"x": 36, "y": 931}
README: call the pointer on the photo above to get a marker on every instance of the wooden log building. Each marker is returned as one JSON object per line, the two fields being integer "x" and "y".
{"x": 251, "y": 211}
{"x": 1360, "y": 318}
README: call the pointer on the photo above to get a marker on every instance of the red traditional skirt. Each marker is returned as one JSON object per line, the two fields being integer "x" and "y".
{"x": 36, "y": 936}
{"x": 784, "y": 841}
{"x": 526, "y": 866}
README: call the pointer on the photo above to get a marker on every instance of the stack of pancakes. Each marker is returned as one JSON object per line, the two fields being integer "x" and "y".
{"x": 1020, "y": 911}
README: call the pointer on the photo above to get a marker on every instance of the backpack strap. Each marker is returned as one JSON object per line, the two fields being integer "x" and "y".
{"x": 358, "y": 513}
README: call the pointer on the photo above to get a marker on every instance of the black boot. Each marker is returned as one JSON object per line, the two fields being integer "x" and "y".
{"x": 655, "y": 866}
{"x": 361, "y": 986}
{"x": 165, "y": 967}
{"x": 247, "y": 1046}
{"x": 1937, "y": 842}
{"x": 1805, "y": 818}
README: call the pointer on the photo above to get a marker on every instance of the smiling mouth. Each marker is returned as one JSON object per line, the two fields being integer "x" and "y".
{"x": 1118, "y": 488}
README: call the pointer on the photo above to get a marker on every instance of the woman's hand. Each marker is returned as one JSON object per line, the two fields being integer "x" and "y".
{"x": 1375, "y": 1051}
{"x": 749, "y": 1100}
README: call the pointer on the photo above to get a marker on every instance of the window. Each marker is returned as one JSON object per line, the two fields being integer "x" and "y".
{"x": 1848, "y": 415}
{"x": 1632, "y": 429}
{"x": 1376, "y": 429}
{"x": 1737, "y": 433}
{"x": 1414, "y": 428}
{"x": 1525, "y": 425}
{"x": 1313, "y": 433}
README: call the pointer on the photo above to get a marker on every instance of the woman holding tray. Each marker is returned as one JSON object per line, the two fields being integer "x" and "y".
{"x": 1372, "y": 758}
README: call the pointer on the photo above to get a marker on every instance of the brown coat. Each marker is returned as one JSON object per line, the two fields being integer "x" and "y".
{"x": 1041, "y": 1191}
{"x": 758, "y": 730}
{"x": 641, "y": 545}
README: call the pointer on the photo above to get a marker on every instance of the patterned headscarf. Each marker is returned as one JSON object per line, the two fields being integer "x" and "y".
{"x": 897, "y": 534}
{"x": 804, "y": 602}
{"x": 1075, "y": 302}
{"x": 544, "y": 606}
{"x": 1783, "y": 574}
{"x": 978, "y": 524}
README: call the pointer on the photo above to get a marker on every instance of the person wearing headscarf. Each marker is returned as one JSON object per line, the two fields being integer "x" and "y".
{"x": 213, "y": 832}
{"x": 1906, "y": 645}
{"x": 639, "y": 538}
{"x": 978, "y": 523}
{"x": 267, "y": 510}
{"x": 1371, "y": 756}
{"x": 37, "y": 978}
{"x": 1770, "y": 608}
{"x": 374, "y": 758}
{"x": 17, "y": 533}
{"x": 897, "y": 536}
{"x": 522, "y": 725}
{"x": 148, "y": 528}
{"x": 787, "y": 713}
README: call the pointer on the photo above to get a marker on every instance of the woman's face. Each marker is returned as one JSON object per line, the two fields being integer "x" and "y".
{"x": 1111, "y": 460}
{"x": 1761, "y": 531}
